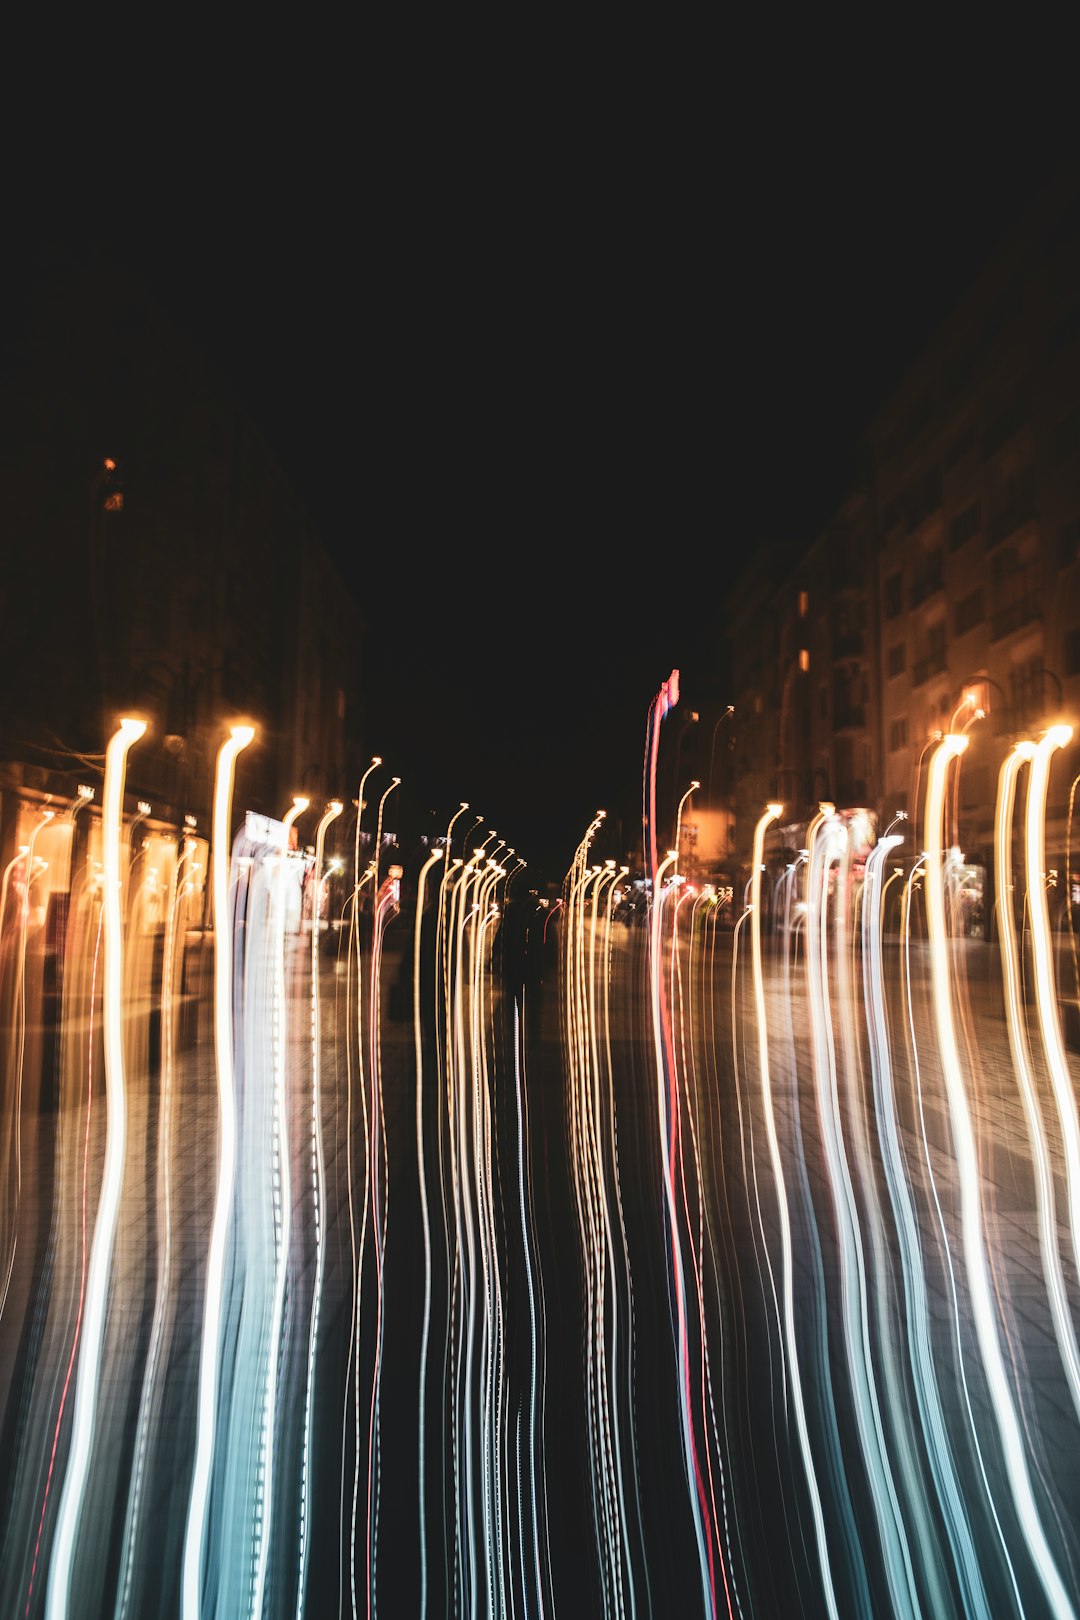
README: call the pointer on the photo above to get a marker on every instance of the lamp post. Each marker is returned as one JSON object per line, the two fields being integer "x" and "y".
{"x": 376, "y": 760}
{"x": 692, "y": 717}
{"x": 678, "y": 821}
{"x": 970, "y": 686}
{"x": 378, "y": 829}
{"x": 727, "y": 714}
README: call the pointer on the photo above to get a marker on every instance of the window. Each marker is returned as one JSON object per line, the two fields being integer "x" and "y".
{"x": 804, "y": 659}
{"x": 1006, "y": 422}
{"x": 961, "y": 446}
{"x": 804, "y": 604}
{"x": 1026, "y": 689}
{"x": 922, "y": 497}
{"x": 898, "y": 734}
{"x": 894, "y": 595}
{"x": 969, "y": 612}
{"x": 1065, "y": 329}
{"x": 964, "y": 525}
{"x": 1069, "y": 544}
{"x": 896, "y": 659}
{"x": 1016, "y": 506}
{"x": 918, "y": 416}
{"x": 1067, "y": 438}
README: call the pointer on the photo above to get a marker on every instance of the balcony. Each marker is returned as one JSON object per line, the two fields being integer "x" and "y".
{"x": 1023, "y": 611}
{"x": 923, "y": 668}
{"x": 849, "y": 645}
{"x": 849, "y": 717}
{"x": 1018, "y": 507}
{"x": 929, "y": 582}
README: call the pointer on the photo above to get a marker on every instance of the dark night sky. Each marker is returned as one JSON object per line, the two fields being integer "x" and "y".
{"x": 540, "y": 393}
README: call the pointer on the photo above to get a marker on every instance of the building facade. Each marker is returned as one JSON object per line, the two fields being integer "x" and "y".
{"x": 945, "y": 592}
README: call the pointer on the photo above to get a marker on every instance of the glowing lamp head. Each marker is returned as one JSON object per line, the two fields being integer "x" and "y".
{"x": 241, "y": 734}
{"x": 775, "y": 810}
{"x": 1059, "y": 736}
{"x": 336, "y": 806}
{"x": 132, "y": 729}
{"x": 955, "y": 742}
{"x": 300, "y": 803}
{"x": 695, "y": 784}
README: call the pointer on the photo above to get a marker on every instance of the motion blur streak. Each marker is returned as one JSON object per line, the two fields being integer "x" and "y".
{"x": 950, "y": 748}
{"x": 421, "y": 1172}
{"x": 677, "y": 1243}
{"x": 917, "y": 1326}
{"x": 1049, "y": 1020}
{"x": 1049, "y": 1250}
{"x": 89, "y": 1366}
{"x": 771, "y": 814}
{"x": 239, "y": 738}
{"x": 318, "y": 1177}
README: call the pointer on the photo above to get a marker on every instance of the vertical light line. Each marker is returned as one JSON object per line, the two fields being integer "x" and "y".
{"x": 1045, "y": 992}
{"x": 318, "y": 1176}
{"x": 418, "y": 1038}
{"x": 282, "y": 1192}
{"x": 772, "y": 813}
{"x": 195, "y": 1534}
{"x": 963, "y": 1133}
{"x": 89, "y": 1370}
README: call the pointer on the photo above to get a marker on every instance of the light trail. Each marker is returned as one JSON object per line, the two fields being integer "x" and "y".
{"x": 195, "y": 1535}
{"x": 772, "y": 813}
{"x": 826, "y": 845}
{"x": 915, "y": 1298}
{"x": 950, "y": 748}
{"x": 318, "y": 1181}
{"x": 16, "y": 1134}
{"x": 421, "y": 1173}
{"x": 282, "y": 1193}
{"x": 88, "y": 1374}
{"x": 695, "y": 1202}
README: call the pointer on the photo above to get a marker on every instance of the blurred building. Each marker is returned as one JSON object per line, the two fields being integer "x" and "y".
{"x": 157, "y": 560}
{"x": 947, "y": 583}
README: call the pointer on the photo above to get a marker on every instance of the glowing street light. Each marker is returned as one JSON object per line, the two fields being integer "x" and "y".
{"x": 678, "y": 820}
{"x": 727, "y": 715}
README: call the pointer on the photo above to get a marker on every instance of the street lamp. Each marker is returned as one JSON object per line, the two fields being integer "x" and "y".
{"x": 727, "y": 714}
{"x": 678, "y": 820}
{"x": 691, "y": 718}
{"x": 376, "y": 760}
{"x": 934, "y": 737}
{"x": 378, "y": 828}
